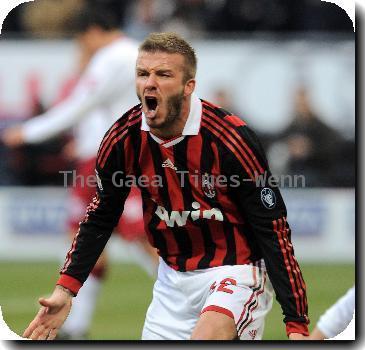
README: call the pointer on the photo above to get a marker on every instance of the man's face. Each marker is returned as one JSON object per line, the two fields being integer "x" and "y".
{"x": 160, "y": 87}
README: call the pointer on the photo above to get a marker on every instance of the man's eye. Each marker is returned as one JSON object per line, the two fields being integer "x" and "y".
{"x": 142, "y": 74}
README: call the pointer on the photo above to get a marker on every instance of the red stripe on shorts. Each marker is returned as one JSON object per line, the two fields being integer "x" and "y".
{"x": 218, "y": 309}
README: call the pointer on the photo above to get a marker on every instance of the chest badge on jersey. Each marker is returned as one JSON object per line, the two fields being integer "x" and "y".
{"x": 208, "y": 185}
{"x": 268, "y": 198}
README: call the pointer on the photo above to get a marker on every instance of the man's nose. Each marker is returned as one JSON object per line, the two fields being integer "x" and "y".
{"x": 151, "y": 82}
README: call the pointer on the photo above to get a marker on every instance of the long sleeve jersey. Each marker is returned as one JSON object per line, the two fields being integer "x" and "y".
{"x": 205, "y": 202}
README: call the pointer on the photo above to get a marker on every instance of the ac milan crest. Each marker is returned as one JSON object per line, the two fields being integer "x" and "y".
{"x": 268, "y": 198}
{"x": 208, "y": 185}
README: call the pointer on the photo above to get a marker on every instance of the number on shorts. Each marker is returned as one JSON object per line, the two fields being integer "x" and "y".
{"x": 223, "y": 286}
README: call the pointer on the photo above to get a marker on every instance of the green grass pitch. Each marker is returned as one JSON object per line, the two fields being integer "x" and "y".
{"x": 127, "y": 292}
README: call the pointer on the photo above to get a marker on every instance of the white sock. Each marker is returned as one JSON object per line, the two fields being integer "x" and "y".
{"x": 83, "y": 306}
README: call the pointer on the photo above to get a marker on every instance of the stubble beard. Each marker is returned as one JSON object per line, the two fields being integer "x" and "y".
{"x": 173, "y": 107}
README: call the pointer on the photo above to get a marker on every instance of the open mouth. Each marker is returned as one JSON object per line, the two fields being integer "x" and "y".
{"x": 151, "y": 103}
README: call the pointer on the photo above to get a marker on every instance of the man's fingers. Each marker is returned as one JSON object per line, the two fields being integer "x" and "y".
{"x": 28, "y": 332}
{"x": 43, "y": 335}
{"x": 52, "y": 334}
{"x": 37, "y": 332}
{"x": 32, "y": 326}
{"x": 37, "y": 322}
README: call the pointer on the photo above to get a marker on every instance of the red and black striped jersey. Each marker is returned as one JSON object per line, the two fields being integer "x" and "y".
{"x": 205, "y": 203}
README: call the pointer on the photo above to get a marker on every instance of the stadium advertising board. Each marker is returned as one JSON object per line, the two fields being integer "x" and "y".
{"x": 322, "y": 222}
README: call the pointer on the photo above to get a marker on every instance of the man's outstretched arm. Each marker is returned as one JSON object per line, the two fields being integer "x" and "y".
{"x": 101, "y": 217}
{"x": 95, "y": 88}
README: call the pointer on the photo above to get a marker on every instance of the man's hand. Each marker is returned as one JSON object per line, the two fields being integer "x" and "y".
{"x": 13, "y": 137}
{"x": 68, "y": 151}
{"x": 298, "y": 336}
{"x": 51, "y": 315}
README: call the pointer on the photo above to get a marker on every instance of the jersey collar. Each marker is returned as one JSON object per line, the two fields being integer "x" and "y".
{"x": 192, "y": 125}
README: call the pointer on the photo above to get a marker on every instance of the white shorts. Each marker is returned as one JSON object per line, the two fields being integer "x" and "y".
{"x": 242, "y": 292}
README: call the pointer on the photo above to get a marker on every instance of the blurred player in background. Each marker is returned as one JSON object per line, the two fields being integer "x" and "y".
{"x": 103, "y": 91}
{"x": 335, "y": 320}
{"x": 217, "y": 244}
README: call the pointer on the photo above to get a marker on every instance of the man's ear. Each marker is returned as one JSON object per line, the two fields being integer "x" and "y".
{"x": 189, "y": 87}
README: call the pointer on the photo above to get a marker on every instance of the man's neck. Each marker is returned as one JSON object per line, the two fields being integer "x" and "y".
{"x": 111, "y": 37}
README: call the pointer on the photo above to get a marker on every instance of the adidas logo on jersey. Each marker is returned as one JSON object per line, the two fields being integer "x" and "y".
{"x": 179, "y": 217}
{"x": 169, "y": 164}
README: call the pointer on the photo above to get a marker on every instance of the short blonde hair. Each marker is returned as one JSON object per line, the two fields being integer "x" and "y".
{"x": 172, "y": 43}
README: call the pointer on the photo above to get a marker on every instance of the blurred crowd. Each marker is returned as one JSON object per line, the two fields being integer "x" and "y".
{"x": 306, "y": 147}
{"x": 44, "y": 18}
{"x": 309, "y": 147}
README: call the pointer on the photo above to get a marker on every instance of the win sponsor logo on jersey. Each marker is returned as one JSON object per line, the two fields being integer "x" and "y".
{"x": 180, "y": 217}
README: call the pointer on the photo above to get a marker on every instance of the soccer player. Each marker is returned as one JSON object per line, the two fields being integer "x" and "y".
{"x": 220, "y": 233}
{"x": 101, "y": 95}
{"x": 336, "y": 318}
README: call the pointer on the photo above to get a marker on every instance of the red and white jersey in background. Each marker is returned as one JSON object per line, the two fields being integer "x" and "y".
{"x": 103, "y": 93}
